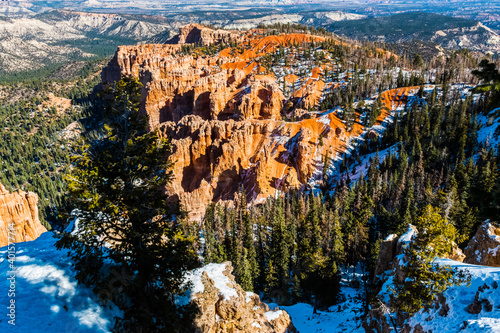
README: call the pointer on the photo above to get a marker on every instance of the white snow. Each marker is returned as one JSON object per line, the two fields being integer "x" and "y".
{"x": 248, "y": 296}
{"x": 407, "y": 236}
{"x": 343, "y": 317}
{"x": 494, "y": 251}
{"x": 391, "y": 237}
{"x": 273, "y": 315}
{"x": 458, "y": 298}
{"x": 47, "y": 296}
{"x": 216, "y": 273}
{"x": 324, "y": 119}
{"x": 488, "y": 129}
{"x": 74, "y": 222}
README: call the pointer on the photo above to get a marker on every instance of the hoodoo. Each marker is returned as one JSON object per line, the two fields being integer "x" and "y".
{"x": 224, "y": 115}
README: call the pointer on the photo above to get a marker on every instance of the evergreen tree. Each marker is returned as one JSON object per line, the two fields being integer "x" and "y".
{"x": 279, "y": 246}
{"x": 423, "y": 279}
{"x": 125, "y": 226}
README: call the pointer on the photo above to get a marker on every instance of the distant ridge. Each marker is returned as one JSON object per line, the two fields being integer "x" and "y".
{"x": 446, "y": 31}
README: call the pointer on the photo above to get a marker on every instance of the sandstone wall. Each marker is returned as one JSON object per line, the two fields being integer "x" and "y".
{"x": 19, "y": 208}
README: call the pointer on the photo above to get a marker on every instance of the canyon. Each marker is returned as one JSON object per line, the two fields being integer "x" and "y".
{"x": 224, "y": 113}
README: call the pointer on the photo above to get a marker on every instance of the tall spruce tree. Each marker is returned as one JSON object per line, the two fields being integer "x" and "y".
{"x": 422, "y": 277}
{"x": 127, "y": 236}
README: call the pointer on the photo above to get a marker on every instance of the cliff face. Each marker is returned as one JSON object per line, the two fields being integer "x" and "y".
{"x": 210, "y": 87}
{"x": 213, "y": 158}
{"x": 225, "y": 307}
{"x": 223, "y": 113}
{"x": 20, "y": 209}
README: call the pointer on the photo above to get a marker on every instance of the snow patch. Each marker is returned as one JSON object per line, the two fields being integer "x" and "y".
{"x": 407, "y": 237}
{"x": 216, "y": 273}
{"x": 248, "y": 296}
{"x": 48, "y": 297}
{"x": 459, "y": 297}
{"x": 391, "y": 238}
{"x": 273, "y": 315}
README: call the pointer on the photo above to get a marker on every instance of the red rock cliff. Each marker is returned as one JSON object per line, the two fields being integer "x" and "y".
{"x": 19, "y": 209}
{"x": 223, "y": 113}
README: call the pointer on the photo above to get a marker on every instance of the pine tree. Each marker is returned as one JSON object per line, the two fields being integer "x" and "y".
{"x": 400, "y": 82}
{"x": 125, "y": 225}
{"x": 279, "y": 246}
{"x": 423, "y": 279}
{"x": 250, "y": 254}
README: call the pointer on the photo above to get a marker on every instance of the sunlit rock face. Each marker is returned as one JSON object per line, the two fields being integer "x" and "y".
{"x": 484, "y": 247}
{"x": 19, "y": 220}
{"x": 223, "y": 112}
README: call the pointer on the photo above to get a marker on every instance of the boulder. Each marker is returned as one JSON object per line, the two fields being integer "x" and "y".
{"x": 225, "y": 307}
{"x": 484, "y": 247}
{"x": 386, "y": 254}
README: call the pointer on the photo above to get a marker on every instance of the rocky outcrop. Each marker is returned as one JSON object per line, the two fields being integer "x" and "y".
{"x": 178, "y": 86}
{"x": 484, "y": 247}
{"x": 223, "y": 306}
{"x": 196, "y": 33}
{"x": 386, "y": 254}
{"x": 391, "y": 259}
{"x": 20, "y": 210}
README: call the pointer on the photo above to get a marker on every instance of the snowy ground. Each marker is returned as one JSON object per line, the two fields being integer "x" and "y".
{"x": 340, "y": 318}
{"x": 489, "y": 125}
{"x": 47, "y": 298}
{"x": 484, "y": 281}
{"x": 343, "y": 317}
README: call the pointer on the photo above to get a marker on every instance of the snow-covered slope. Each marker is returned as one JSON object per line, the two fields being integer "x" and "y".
{"x": 346, "y": 316}
{"x": 463, "y": 308}
{"x": 47, "y": 297}
{"x": 488, "y": 133}
{"x": 461, "y": 315}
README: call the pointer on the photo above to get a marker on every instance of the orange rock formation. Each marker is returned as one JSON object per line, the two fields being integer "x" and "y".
{"x": 20, "y": 210}
{"x": 223, "y": 116}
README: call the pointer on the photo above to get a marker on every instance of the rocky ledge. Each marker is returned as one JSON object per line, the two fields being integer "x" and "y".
{"x": 225, "y": 307}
